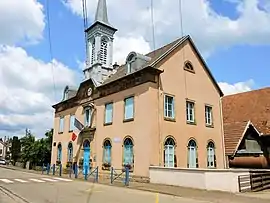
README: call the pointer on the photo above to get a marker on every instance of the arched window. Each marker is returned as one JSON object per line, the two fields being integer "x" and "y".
{"x": 128, "y": 153}
{"x": 93, "y": 51}
{"x": 103, "y": 51}
{"x": 59, "y": 152}
{"x": 70, "y": 152}
{"x": 169, "y": 153}
{"x": 211, "y": 157}
{"x": 86, "y": 144}
{"x": 188, "y": 66}
{"x": 192, "y": 154}
{"x": 107, "y": 155}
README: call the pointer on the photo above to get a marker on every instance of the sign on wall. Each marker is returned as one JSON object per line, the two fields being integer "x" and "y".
{"x": 116, "y": 140}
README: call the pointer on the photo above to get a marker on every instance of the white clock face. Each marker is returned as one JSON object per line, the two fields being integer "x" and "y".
{"x": 89, "y": 91}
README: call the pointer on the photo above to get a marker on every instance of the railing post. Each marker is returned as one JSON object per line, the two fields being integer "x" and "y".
{"x": 127, "y": 177}
{"x": 43, "y": 166}
{"x": 96, "y": 174}
{"x": 111, "y": 175}
{"x": 70, "y": 171}
{"x": 76, "y": 171}
{"x": 60, "y": 170}
{"x": 48, "y": 169}
{"x": 85, "y": 173}
{"x": 53, "y": 169}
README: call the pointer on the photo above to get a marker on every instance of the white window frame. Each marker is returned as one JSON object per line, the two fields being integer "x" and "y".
{"x": 61, "y": 121}
{"x": 190, "y": 111}
{"x": 87, "y": 124}
{"x": 211, "y": 157}
{"x": 105, "y": 118}
{"x": 71, "y": 124}
{"x": 208, "y": 115}
{"x": 166, "y": 106}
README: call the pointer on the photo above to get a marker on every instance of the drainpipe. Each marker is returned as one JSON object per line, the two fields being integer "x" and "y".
{"x": 222, "y": 134}
{"x": 159, "y": 122}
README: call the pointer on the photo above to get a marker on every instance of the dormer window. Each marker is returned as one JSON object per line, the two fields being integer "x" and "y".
{"x": 188, "y": 67}
{"x": 128, "y": 68}
{"x": 66, "y": 95}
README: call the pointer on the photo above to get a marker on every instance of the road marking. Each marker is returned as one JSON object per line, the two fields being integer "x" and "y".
{"x": 36, "y": 180}
{"x": 63, "y": 179}
{"x": 48, "y": 179}
{"x": 6, "y": 181}
{"x": 21, "y": 181}
{"x": 157, "y": 198}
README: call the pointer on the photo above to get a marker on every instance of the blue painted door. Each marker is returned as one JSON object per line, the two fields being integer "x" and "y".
{"x": 86, "y": 157}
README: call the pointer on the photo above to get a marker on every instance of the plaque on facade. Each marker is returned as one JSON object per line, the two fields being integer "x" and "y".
{"x": 117, "y": 140}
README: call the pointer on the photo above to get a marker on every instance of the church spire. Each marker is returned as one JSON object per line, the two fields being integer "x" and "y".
{"x": 101, "y": 13}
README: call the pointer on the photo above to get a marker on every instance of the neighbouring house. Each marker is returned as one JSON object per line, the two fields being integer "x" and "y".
{"x": 159, "y": 109}
{"x": 247, "y": 128}
{"x": 2, "y": 149}
{"x": 5, "y": 149}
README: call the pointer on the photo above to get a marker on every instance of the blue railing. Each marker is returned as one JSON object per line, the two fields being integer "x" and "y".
{"x": 114, "y": 173}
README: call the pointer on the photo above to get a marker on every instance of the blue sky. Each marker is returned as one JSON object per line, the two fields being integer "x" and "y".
{"x": 232, "y": 35}
{"x": 234, "y": 64}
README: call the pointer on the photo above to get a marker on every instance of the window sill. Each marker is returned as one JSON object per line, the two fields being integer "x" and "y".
{"x": 70, "y": 131}
{"x": 106, "y": 124}
{"x": 191, "y": 71}
{"x": 60, "y": 132}
{"x": 209, "y": 126}
{"x": 191, "y": 122}
{"x": 169, "y": 119}
{"x": 128, "y": 120}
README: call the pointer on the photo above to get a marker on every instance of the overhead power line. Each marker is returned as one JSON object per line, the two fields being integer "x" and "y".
{"x": 50, "y": 45}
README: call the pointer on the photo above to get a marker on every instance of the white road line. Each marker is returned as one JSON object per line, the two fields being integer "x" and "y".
{"x": 21, "y": 181}
{"x": 6, "y": 181}
{"x": 36, "y": 180}
{"x": 48, "y": 179}
{"x": 63, "y": 179}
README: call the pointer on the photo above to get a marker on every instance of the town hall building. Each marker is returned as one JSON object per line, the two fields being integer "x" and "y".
{"x": 158, "y": 109}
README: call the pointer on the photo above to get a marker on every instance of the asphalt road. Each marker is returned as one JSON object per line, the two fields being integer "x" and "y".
{"x": 24, "y": 187}
{"x": 17, "y": 186}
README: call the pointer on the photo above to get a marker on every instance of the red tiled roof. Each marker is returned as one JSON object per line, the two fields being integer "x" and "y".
{"x": 240, "y": 108}
{"x": 232, "y": 135}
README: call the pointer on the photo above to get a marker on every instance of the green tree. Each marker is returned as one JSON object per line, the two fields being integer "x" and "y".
{"x": 27, "y": 145}
{"x": 15, "y": 149}
{"x": 37, "y": 152}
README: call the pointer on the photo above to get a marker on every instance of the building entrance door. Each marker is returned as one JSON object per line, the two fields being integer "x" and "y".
{"x": 86, "y": 156}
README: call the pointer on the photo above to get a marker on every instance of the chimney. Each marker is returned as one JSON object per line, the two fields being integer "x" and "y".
{"x": 115, "y": 66}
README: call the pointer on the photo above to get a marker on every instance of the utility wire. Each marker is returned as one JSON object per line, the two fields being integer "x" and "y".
{"x": 153, "y": 25}
{"x": 50, "y": 45}
{"x": 183, "y": 48}
{"x": 85, "y": 23}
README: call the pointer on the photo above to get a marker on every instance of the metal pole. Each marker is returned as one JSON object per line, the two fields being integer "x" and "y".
{"x": 43, "y": 166}
{"x": 53, "y": 169}
{"x": 76, "y": 171}
{"x": 60, "y": 170}
{"x": 111, "y": 175}
{"x": 85, "y": 173}
{"x": 97, "y": 174}
{"x": 48, "y": 168}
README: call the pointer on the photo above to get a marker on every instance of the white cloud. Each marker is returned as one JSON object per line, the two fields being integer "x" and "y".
{"x": 237, "y": 87}
{"x": 124, "y": 45}
{"x": 210, "y": 31}
{"x": 21, "y": 21}
{"x": 27, "y": 91}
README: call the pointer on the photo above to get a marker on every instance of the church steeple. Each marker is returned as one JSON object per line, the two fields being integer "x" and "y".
{"x": 99, "y": 46}
{"x": 101, "y": 13}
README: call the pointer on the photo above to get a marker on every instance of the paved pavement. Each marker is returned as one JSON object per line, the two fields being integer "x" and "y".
{"x": 53, "y": 189}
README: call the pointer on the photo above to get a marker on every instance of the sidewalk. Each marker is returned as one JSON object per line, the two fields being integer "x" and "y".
{"x": 213, "y": 196}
